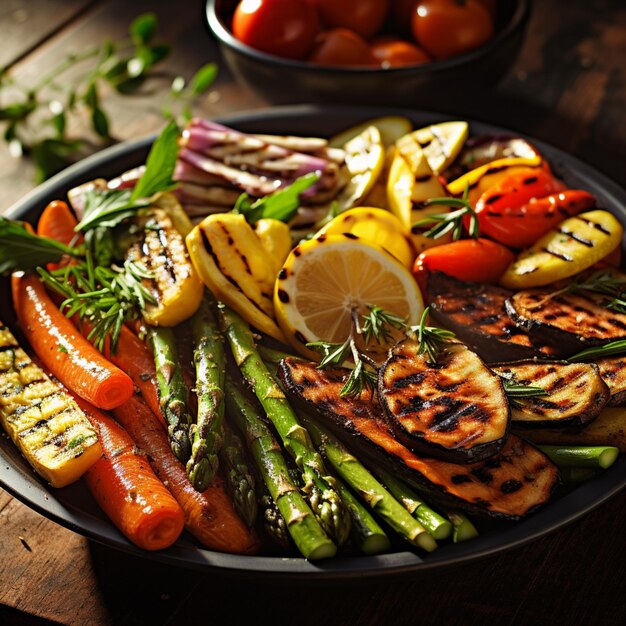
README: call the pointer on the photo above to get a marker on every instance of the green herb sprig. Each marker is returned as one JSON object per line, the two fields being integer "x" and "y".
{"x": 431, "y": 339}
{"x": 515, "y": 390}
{"x": 35, "y": 118}
{"x": 443, "y": 223}
{"x": 281, "y": 205}
{"x": 602, "y": 282}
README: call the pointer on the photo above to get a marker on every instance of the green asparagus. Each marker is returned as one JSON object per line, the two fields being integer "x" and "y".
{"x": 463, "y": 529}
{"x": 435, "y": 524}
{"x": 320, "y": 488}
{"x": 206, "y": 432}
{"x": 351, "y": 470}
{"x": 173, "y": 393}
{"x": 581, "y": 456}
{"x": 309, "y": 537}
{"x": 240, "y": 482}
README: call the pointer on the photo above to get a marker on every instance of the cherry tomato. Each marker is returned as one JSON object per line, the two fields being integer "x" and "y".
{"x": 474, "y": 260}
{"x": 447, "y": 28}
{"x": 340, "y": 46}
{"x": 281, "y": 27}
{"x": 364, "y": 17}
{"x": 521, "y": 226}
{"x": 392, "y": 52}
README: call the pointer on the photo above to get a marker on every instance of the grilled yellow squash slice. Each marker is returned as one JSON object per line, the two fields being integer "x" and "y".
{"x": 42, "y": 419}
{"x": 574, "y": 246}
{"x": 275, "y": 237}
{"x": 234, "y": 265}
{"x": 161, "y": 250}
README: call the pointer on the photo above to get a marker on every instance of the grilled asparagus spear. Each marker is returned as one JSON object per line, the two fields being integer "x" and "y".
{"x": 210, "y": 362}
{"x": 307, "y": 534}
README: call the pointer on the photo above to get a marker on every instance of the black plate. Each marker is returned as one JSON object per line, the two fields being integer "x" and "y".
{"x": 74, "y": 508}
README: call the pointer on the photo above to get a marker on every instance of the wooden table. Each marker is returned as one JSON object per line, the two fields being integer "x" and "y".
{"x": 568, "y": 87}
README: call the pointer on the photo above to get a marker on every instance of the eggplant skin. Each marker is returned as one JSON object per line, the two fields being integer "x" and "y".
{"x": 576, "y": 393}
{"x": 508, "y": 486}
{"x": 454, "y": 409}
{"x": 475, "y": 313}
{"x": 571, "y": 321}
{"x": 612, "y": 369}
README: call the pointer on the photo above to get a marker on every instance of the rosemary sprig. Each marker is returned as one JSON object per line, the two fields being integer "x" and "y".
{"x": 603, "y": 282}
{"x": 430, "y": 338}
{"x": 103, "y": 297}
{"x": 515, "y": 390}
{"x": 443, "y": 223}
{"x": 375, "y": 325}
{"x": 612, "y": 348}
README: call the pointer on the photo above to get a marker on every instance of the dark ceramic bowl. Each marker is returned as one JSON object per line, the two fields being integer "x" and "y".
{"x": 281, "y": 81}
{"x": 74, "y": 506}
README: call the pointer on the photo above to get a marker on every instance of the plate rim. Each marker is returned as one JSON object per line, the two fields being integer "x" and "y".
{"x": 547, "y": 520}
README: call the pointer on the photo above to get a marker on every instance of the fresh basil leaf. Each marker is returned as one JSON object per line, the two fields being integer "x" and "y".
{"x": 143, "y": 28}
{"x": 52, "y": 155}
{"x": 107, "y": 208}
{"x": 203, "y": 78}
{"x": 22, "y": 250}
{"x": 159, "y": 165}
{"x": 281, "y": 205}
{"x": 100, "y": 123}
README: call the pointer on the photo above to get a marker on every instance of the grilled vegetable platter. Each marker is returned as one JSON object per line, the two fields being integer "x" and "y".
{"x": 316, "y": 342}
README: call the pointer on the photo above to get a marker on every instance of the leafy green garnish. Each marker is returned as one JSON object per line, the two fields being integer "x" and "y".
{"x": 22, "y": 250}
{"x": 443, "y": 223}
{"x": 430, "y": 338}
{"x": 101, "y": 296}
{"x": 612, "y": 348}
{"x": 604, "y": 282}
{"x": 281, "y": 205}
{"x": 108, "y": 208}
{"x": 515, "y": 390}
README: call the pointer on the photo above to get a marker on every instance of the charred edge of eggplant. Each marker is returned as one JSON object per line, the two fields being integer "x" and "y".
{"x": 372, "y": 455}
{"x": 617, "y": 399}
{"x": 565, "y": 342}
{"x": 421, "y": 446}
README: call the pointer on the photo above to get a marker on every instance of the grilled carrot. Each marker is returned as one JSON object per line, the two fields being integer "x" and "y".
{"x": 68, "y": 355}
{"x": 209, "y": 515}
{"x": 127, "y": 489}
{"x": 57, "y": 222}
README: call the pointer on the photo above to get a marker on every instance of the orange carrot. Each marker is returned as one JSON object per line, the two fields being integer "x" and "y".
{"x": 63, "y": 350}
{"x": 57, "y": 222}
{"x": 127, "y": 489}
{"x": 209, "y": 516}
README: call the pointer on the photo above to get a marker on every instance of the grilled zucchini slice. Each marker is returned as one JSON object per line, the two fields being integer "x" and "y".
{"x": 43, "y": 420}
{"x": 454, "y": 409}
{"x": 161, "y": 250}
{"x": 575, "y": 393}
{"x": 612, "y": 369}
{"x": 574, "y": 246}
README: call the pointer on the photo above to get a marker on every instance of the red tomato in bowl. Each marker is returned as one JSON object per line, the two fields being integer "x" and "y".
{"x": 392, "y": 52}
{"x": 281, "y": 27}
{"x": 364, "y": 17}
{"x": 341, "y": 47}
{"x": 447, "y": 28}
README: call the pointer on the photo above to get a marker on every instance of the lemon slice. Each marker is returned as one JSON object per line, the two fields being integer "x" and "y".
{"x": 374, "y": 226}
{"x": 325, "y": 279}
{"x": 391, "y": 127}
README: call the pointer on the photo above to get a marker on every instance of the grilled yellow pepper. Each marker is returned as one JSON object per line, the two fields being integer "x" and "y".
{"x": 574, "y": 246}
{"x": 161, "y": 250}
{"x": 43, "y": 420}
{"x": 275, "y": 237}
{"x": 234, "y": 265}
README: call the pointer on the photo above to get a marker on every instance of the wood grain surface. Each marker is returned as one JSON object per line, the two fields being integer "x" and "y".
{"x": 568, "y": 87}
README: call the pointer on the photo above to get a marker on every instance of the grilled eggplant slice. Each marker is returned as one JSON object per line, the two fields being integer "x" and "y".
{"x": 612, "y": 369}
{"x": 571, "y": 321}
{"x": 476, "y": 314}
{"x": 608, "y": 429}
{"x": 509, "y": 485}
{"x": 455, "y": 409}
{"x": 575, "y": 393}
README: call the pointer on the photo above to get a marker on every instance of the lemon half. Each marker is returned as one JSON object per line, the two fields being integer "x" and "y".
{"x": 325, "y": 280}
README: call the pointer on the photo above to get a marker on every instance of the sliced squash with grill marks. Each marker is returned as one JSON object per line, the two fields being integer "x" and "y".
{"x": 42, "y": 419}
{"x": 161, "y": 250}
{"x": 574, "y": 246}
{"x": 234, "y": 265}
{"x": 575, "y": 393}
